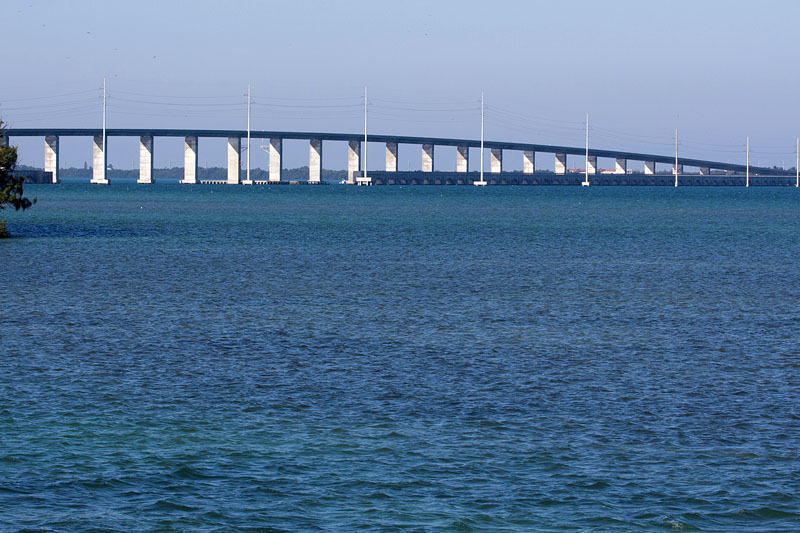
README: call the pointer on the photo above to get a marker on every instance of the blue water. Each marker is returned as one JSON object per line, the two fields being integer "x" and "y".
{"x": 410, "y": 358}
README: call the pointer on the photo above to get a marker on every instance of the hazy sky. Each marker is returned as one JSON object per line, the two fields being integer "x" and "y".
{"x": 717, "y": 70}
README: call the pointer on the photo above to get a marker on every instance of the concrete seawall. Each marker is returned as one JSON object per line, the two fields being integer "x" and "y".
{"x": 546, "y": 178}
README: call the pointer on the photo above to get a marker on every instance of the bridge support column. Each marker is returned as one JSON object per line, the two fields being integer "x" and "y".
{"x": 51, "y": 156}
{"x": 189, "y": 160}
{"x": 649, "y": 167}
{"x": 275, "y": 163}
{"x": 621, "y": 166}
{"x": 705, "y": 171}
{"x": 145, "y": 159}
{"x": 234, "y": 160}
{"x": 99, "y": 161}
{"x": 561, "y": 164}
{"x": 427, "y": 158}
{"x": 391, "y": 157}
{"x": 528, "y": 162}
{"x": 353, "y": 161}
{"x": 462, "y": 159}
{"x": 315, "y": 160}
{"x": 3, "y": 140}
{"x": 591, "y": 164}
{"x": 680, "y": 169}
{"x": 496, "y": 160}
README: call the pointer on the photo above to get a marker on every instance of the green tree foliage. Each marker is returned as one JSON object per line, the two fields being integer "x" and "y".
{"x": 10, "y": 185}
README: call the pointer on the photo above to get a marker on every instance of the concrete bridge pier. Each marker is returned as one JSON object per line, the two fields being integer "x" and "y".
{"x": 234, "y": 160}
{"x": 315, "y": 161}
{"x": 391, "y": 157}
{"x": 145, "y": 159}
{"x": 591, "y": 164}
{"x": 190, "y": 160}
{"x": 51, "y": 156}
{"x": 649, "y": 167}
{"x": 275, "y": 163}
{"x": 99, "y": 161}
{"x": 561, "y": 164}
{"x": 353, "y": 161}
{"x": 528, "y": 161}
{"x": 621, "y": 166}
{"x": 462, "y": 159}
{"x": 496, "y": 160}
{"x": 705, "y": 171}
{"x": 427, "y": 158}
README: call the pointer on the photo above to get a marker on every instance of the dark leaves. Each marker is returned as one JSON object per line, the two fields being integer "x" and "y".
{"x": 10, "y": 186}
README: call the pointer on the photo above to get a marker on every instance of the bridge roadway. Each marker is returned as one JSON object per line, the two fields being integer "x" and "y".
{"x": 354, "y": 163}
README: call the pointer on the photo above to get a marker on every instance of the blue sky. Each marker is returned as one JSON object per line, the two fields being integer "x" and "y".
{"x": 718, "y": 71}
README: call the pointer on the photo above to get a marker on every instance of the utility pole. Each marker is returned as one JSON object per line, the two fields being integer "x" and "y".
{"x": 676, "y": 157}
{"x": 248, "y": 136}
{"x": 586, "y": 170}
{"x": 100, "y": 167}
{"x": 747, "y": 178}
{"x": 481, "y": 183}
{"x": 365, "y": 131}
{"x": 104, "y": 122}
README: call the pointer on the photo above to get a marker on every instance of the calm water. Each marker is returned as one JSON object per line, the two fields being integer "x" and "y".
{"x": 334, "y": 358}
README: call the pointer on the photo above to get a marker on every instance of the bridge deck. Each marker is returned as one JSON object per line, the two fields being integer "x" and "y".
{"x": 400, "y": 139}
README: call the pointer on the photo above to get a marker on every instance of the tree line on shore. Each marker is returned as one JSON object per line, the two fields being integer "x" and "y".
{"x": 203, "y": 173}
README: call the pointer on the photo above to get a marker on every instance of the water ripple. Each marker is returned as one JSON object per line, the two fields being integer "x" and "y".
{"x": 278, "y": 359}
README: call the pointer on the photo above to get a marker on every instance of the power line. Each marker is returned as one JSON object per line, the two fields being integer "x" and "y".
{"x": 181, "y": 97}
{"x": 294, "y": 99}
{"x": 185, "y": 104}
{"x": 475, "y": 103}
{"x": 297, "y": 106}
{"x": 47, "y": 97}
{"x": 55, "y": 104}
{"x": 532, "y": 118}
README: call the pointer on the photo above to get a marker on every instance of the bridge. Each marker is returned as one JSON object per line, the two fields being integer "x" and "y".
{"x": 354, "y": 163}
